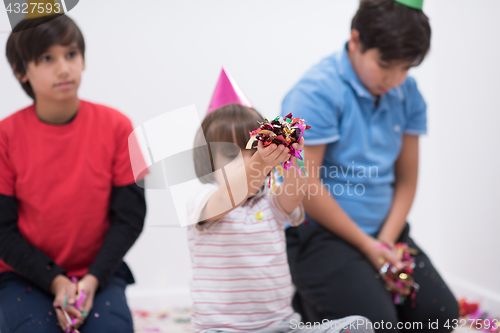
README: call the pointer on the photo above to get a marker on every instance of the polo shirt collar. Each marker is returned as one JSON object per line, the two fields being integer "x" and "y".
{"x": 348, "y": 74}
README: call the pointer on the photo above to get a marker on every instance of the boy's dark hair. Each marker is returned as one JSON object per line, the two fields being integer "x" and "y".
{"x": 32, "y": 37}
{"x": 229, "y": 123}
{"x": 397, "y": 31}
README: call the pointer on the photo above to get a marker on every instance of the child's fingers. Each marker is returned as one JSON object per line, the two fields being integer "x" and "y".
{"x": 61, "y": 318}
{"x": 87, "y": 305}
{"x": 283, "y": 155}
{"x": 266, "y": 151}
{"x": 74, "y": 313}
{"x": 400, "y": 290}
{"x": 392, "y": 257}
{"x": 62, "y": 314}
{"x": 275, "y": 155}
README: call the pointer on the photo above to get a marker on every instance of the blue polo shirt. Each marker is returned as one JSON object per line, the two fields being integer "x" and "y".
{"x": 363, "y": 139}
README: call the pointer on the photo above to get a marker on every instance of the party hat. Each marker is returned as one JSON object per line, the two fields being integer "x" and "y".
{"x": 227, "y": 92}
{"x": 44, "y": 10}
{"x": 416, "y": 4}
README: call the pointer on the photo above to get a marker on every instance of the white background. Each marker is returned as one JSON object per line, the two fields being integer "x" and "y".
{"x": 149, "y": 57}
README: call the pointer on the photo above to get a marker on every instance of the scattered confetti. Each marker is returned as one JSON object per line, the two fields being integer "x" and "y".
{"x": 258, "y": 216}
{"x": 471, "y": 312}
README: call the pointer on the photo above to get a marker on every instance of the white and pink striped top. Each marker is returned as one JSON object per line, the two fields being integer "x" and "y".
{"x": 241, "y": 280}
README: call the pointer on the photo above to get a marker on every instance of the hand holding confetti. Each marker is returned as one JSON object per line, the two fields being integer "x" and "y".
{"x": 287, "y": 132}
{"x": 281, "y": 131}
{"x": 402, "y": 277}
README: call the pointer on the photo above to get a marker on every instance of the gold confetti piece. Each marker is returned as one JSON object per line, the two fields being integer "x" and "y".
{"x": 250, "y": 142}
{"x": 412, "y": 251}
{"x": 258, "y": 216}
{"x": 280, "y": 170}
{"x": 274, "y": 187}
{"x": 403, "y": 276}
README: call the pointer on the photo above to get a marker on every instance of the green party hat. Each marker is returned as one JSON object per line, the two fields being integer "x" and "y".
{"x": 417, "y": 4}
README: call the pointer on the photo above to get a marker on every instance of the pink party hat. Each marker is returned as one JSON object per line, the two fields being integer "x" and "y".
{"x": 227, "y": 92}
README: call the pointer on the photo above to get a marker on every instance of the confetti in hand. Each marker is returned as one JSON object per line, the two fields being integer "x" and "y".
{"x": 281, "y": 131}
{"x": 401, "y": 277}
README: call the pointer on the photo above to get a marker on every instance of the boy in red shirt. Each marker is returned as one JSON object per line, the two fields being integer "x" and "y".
{"x": 69, "y": 203}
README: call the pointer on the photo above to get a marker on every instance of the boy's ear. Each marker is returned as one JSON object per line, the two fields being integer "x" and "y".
{"x": 354, "y": 43}
{"x": 21, "y": 78}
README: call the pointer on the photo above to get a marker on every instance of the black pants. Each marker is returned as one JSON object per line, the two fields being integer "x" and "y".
{"x": 334, "y": 280}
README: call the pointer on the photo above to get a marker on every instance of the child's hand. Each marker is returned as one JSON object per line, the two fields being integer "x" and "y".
{"x": 299, "y": 145}
{"x": 65, "y": 292}
{"x": 272, "y": 154}
{"x": 377, "y": 254}
{"x": 90, "y": 285}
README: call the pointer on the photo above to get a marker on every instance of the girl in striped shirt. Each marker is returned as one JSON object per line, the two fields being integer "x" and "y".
{"x": 241, "y": 279}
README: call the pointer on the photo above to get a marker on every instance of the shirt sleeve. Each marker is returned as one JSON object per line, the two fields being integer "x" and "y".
{"x": 19, "y": 254}
{"x": 416, "y": 109}
{"x": 196, "y": 205}
{"x": 8, "y": 175}
{"x": 295, "y": 218}
{"x": 122, "y": 166}
{"x": 318, "y": 102}
{"x": 127, "y": 213}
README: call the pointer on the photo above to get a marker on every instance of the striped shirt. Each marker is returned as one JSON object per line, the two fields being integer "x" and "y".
{"x": 241, "y": 279}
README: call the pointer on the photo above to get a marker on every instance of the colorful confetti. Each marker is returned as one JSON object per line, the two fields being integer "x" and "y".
{"x": 401, "y": 277}
{"x": 281, "y": 131}
{"x": 481, "y": 320}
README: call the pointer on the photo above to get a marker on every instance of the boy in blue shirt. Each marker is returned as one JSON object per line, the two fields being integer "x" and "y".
{"x": 362, "y": 158}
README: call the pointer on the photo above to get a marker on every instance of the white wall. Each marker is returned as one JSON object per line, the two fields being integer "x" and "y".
{"x": 146, "y": 58}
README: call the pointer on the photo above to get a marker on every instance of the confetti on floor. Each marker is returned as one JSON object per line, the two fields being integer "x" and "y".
{"x": 177, "y": 320}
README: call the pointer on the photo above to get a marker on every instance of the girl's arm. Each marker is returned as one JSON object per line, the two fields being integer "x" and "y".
{"x": 406, "y": 173}
{"x": 245, "y": 181}
{"x": 294, "y": 188}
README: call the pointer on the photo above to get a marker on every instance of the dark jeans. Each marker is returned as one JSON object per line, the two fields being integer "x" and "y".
{"x": 334, "y": 280}
{"x": 25, "y": 308}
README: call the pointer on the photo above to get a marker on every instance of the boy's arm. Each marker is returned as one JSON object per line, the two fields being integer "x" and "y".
{"x": 406, "y": 172}
{"x": 324, "y": 209}
{"x": 294, "y": 187}
{"x": 19, "y": 254}
{"x": 127, "y": 212}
